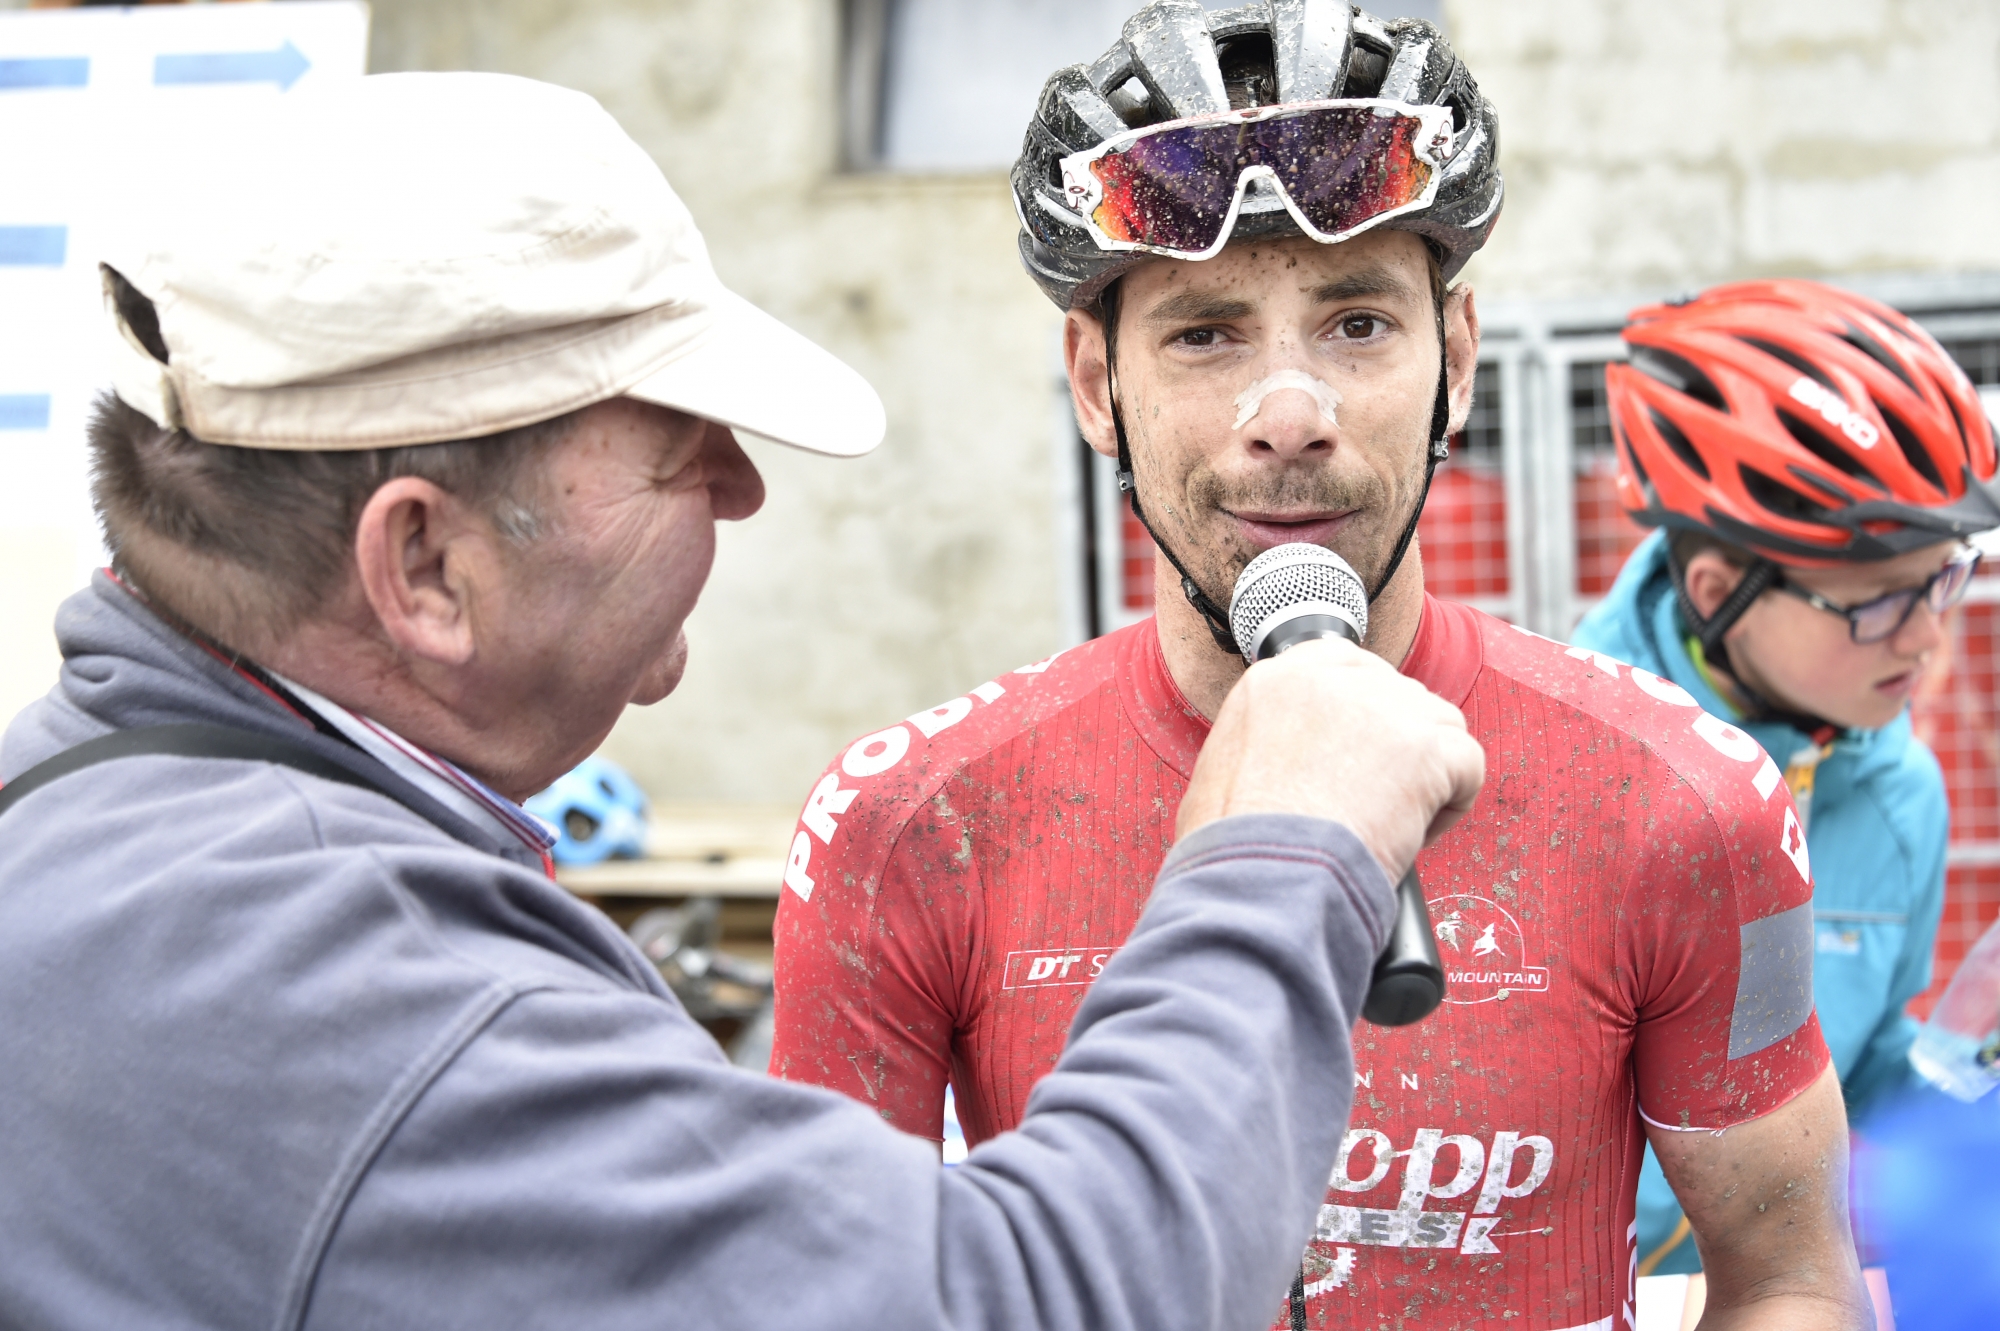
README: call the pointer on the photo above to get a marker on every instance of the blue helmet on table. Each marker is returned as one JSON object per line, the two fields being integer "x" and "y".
{"x": 597, "y": 811}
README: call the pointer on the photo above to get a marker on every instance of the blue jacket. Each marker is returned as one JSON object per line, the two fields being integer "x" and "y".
{"x": 1876, "y": 838}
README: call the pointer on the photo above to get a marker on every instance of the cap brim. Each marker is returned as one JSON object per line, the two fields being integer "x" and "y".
{"x": 751, "y": 372}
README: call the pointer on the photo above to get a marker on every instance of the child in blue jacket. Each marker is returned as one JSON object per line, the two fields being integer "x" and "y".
{"x": 1814, "y": 461}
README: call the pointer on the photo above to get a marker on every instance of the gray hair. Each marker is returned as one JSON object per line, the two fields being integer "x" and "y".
{"x": 246, "y": 543}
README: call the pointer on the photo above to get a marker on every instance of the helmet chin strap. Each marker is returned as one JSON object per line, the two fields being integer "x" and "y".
{"x": 1215, "y": 616}
{"x": 1212, "y": 614}
{"x": 1757, "y": 579}
{"x": 1440, "y": 449}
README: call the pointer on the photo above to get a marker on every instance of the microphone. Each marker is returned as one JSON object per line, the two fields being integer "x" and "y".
{"x": 1292, "y": 594}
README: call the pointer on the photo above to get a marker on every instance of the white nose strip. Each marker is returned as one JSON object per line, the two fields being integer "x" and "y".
{"x": 1251, "y": 400}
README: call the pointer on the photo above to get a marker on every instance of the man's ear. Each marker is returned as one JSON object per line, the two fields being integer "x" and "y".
{"x": 1089, "y": 380}
{"x": 1710, "y": 579}
{"x": 417, "y": 550}
{"x": 1461, "y": 343}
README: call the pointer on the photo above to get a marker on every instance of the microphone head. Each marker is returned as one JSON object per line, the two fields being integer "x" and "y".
{"x": 1288, "y": 582}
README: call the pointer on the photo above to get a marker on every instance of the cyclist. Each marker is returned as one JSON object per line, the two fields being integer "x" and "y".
{"x": 1251, "y": 219}
{"x": 1812, "y": 460}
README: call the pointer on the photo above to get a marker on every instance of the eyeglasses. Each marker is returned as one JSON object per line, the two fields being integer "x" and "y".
{"x": 1883, "y": 618}
{"x": 1339, "y": 167}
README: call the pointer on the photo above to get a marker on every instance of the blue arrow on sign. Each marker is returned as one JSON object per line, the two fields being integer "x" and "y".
{"x": 24, "y": 411}
{"x": 62, "y": 71}
{"x": 33, "y": 246}
{"x": 282, "y": 67}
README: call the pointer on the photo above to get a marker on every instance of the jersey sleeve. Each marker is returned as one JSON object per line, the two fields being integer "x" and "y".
{"x": 1718, "y": 943}
{"x": 874, "y": 937}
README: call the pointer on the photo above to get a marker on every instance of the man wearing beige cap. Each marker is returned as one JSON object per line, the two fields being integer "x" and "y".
{"x": 423, "y": 418}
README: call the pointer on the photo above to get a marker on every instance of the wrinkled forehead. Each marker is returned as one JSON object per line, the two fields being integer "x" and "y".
{"x": 1258, "y": 274}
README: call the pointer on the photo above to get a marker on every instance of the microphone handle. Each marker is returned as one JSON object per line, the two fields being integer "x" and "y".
{"x": 1408, "y": 982}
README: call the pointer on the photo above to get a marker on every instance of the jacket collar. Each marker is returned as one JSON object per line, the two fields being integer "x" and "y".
{"x": 124, "y": 667}
{"x": 441, "y": 779}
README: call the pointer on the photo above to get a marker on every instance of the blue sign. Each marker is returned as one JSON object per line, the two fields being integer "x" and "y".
{"x": 33, "y": 246}
{"x": 62, "y": 71}
{"x": 281, "y": 66}
{"x": 24, "y": 411}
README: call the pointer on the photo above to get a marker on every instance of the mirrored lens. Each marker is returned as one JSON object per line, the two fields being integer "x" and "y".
{"x": 1342, "y": 167}
{"x": 1172, "y": 190}
{"x": 1341, "y": 179}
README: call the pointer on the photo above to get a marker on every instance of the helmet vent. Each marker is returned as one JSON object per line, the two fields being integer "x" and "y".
{"x": 1820, "y": 483}
{"x": 1964, "y": 436}
{"x": 1793, "y": 359}
{"x": 1678, "y": 442}
{"x": 1817, "y": 444}
{"x": 1461, "y": 118}
{"x": 1631, "y": 457}
{"x": 1913, "y": 449}
{"x": 1132, "y": 102}
{"x": 1249, "y": 70}
{"x": 1365, "y": 72}
{"x": 1876, "y": 352}
{"x": 1679, "y": 374}
{"x": 1780, "y": 498}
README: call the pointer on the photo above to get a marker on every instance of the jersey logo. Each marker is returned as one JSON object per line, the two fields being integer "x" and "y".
{"x": 1793, "y": 842}
{"x": 870, "y": 756}
{"x": 1484, "y": 954}
{"x": 1054, "y": 966}
{"x": 1833, "y": 409}
{"x": 1512, "y": 1167}
{"x": 1718, "y": 734}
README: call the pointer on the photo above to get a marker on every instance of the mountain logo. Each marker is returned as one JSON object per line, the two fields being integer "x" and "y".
{"x": 1484, "y": 953}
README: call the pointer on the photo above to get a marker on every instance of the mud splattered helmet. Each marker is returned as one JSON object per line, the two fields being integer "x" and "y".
{"x": 1807, "y": 425}
{"x": 1175, "y": 61}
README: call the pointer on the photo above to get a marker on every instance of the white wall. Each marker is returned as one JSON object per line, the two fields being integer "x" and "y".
{"x": 1652, "y": 145}
{"x": 866, "y": 589}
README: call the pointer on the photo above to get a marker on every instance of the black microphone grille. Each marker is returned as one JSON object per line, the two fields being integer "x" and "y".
{"x": 1290, "y": 580}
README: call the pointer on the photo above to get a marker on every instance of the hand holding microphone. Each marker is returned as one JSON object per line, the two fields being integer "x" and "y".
{"x": 1331, "y": 731}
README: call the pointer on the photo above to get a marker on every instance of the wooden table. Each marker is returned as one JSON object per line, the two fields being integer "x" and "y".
{"x": 733, "y": 851}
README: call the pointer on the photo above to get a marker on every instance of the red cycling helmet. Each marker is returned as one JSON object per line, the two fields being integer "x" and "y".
{"x": 1805, "y": 424}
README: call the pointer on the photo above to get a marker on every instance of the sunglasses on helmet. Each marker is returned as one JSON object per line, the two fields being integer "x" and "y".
{"x": 1339, "y": 167}
{"x": 1883, "y": 618}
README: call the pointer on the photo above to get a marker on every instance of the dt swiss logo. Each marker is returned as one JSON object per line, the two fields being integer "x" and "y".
{"x": 1054, "y": 966}
{"x": 1482, "y": 950}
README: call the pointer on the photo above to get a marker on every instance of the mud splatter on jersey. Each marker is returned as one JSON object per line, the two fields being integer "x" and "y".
{"x": 1624, "y": 917}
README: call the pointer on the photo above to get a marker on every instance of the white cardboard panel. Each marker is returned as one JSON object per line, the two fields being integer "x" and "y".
{"x": 94, "y": 105}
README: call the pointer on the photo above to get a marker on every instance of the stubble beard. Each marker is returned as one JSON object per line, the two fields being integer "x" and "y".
{"x": 1205, "y": 537}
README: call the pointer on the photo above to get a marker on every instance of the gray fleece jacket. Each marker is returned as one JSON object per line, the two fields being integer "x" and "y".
{"x": 280, "y": 1052}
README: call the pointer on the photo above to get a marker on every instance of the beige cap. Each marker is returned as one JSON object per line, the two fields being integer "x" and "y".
{"x": 410, "y": 258}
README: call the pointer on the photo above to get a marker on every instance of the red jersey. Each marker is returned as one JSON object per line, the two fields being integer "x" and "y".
{"x": 1624, "y": 916}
